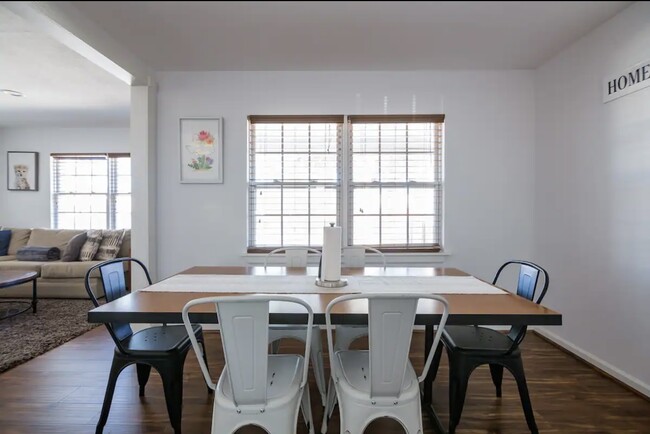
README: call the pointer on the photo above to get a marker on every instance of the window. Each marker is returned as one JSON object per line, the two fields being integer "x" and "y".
{"x": 384, "y": 186}
{"x": 395, "y": 187}
{"x": 294, "y": 179}
{"x": 91, "y": 191}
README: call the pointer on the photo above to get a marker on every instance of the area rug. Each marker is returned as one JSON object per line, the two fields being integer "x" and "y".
{"x": 28, "y": 335}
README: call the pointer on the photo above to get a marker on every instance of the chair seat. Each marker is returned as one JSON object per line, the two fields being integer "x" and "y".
{"x": 478, "y": 340}
{"x": 355, "y": 367}
{"x": 284, "y": 374}
{"x": 163, "y": 339}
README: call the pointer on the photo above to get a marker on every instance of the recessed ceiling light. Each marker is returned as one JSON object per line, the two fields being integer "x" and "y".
{"x": 12, "y": 92}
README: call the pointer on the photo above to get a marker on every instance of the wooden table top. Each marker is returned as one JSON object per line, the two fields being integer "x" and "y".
{"x": 16, "y": 277}
{"x": 464, "y": 309}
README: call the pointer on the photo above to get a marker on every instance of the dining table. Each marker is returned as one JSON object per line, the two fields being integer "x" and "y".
{"x": 471, "y": 301}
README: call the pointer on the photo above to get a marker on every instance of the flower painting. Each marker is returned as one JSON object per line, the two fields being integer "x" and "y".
{"x": 201, "y": 150}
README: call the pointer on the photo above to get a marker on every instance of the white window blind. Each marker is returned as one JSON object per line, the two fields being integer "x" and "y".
{"x": 294, "y": 179}
{"x": 391, "y": 182}
{"x": 91, "y": 191}
{"x": 395, "y": 188}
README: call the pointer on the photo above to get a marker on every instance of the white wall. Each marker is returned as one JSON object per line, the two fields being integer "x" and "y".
{"x": 489, "y": 154}
{"x": 32, "y": 209}
{"x": 592, "y": 207}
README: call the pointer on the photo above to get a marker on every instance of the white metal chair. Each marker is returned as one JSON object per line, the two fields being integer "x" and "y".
{"x": 354, "y": 256}
{"x": 255, "y": 388}
{"x": 380, "y": 381}
{"x": 297, "y": 257}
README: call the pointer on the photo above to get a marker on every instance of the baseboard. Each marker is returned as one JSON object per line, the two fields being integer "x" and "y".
{"x": 626, "y": 380}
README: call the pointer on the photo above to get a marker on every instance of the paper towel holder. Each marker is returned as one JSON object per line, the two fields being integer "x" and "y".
{"x": 329, "y": 283}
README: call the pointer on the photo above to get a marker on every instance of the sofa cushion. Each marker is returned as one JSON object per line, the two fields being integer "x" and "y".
{"x": 5, "y": 239}
{"x": 72, "y": 250}
{"x": 8, "y": 258}
{"x": 22, "y": 265}
{"x": 90, "y": 247}
{"x": 52, "y": 237}
{"x": 19, "y": 238}
{"x": 68, "y": 270}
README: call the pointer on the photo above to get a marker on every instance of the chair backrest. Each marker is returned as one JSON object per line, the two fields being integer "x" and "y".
{"x": 355, "y": 256}
{"x": 527, "y": 284}
{"x": 114, "y": 282}
{"x": 390, "y": 327}
{"x": 244, "y": 322}
{"x": 295, "y": 256}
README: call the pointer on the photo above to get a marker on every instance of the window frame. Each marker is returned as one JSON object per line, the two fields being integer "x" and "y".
{"x": 111, "y": 188}
{"x": 345, "y": 185}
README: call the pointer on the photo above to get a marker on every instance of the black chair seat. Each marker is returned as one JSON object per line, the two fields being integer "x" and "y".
{"x": 163, "y": 339}
{"x": 480, "y": 341}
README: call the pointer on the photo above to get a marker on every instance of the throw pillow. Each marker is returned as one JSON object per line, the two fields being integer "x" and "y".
{"x": 5, "y": 239}
{"x": 111, "y": 243}
{"x": 38, "y": 253}
{"x": 90, "y": 247}
{"x": 73, "y": 249}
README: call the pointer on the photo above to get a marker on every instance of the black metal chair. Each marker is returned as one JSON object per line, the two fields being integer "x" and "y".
{"x": 469, "y": 347}
{"x": 163, "y": 348}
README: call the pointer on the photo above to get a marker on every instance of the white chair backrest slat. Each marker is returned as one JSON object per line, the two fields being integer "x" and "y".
{"x": 389, "y": 331}
{"x": 244, "y": 335}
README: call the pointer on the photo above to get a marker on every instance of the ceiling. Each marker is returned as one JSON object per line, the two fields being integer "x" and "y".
{"x": 346, "y": 35}
{"x": 61, "y": 87}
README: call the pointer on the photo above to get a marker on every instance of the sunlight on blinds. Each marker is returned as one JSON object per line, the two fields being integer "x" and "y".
{"x": 395, "y": 192}
{"x": 293, "y": 180}
{"x": 91, "y": 191}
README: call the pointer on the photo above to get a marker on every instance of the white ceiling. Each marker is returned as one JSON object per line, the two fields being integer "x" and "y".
{"x": 342, "y": 35}
{"x": 61, "y": 87}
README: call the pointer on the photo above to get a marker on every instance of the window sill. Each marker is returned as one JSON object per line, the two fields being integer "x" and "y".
{"x": 392, "y": 259}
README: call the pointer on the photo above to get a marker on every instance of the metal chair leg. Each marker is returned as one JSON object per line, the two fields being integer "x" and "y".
{"x": 497, "y": 377}
{"x": 116, "y": 368}
{"x": 171, "y": 373}
{"x": 143, "y": 375}
{"x": 516, "y": 366}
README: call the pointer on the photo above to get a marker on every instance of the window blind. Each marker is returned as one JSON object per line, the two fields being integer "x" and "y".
{"x": 91, "y": 191}
{"x": 294, "y": 179}
{"x": 395, "y": 182}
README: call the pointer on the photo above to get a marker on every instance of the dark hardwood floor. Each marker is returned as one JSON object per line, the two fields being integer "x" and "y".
{"x": 62, "y": 392}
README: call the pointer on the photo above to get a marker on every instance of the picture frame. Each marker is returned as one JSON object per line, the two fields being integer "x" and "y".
{"x": 201, "y": 150}
{"x": 22, "y": 171}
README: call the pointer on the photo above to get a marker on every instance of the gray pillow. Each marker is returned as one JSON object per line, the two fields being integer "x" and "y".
{"x": 110, "y": 245}
{"x": 72, "y": 250}
{"x": 90, "y": 247}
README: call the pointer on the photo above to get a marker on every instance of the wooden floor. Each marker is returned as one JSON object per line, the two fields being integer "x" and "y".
{"x": 62, "y": 391}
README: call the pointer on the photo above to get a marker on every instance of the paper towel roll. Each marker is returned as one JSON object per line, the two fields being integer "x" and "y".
{"x": 331, "y": 256}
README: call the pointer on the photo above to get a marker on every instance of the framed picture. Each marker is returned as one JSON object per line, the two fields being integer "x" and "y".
{"x": 22, "y": 170}
{"x": 201, "y": 150}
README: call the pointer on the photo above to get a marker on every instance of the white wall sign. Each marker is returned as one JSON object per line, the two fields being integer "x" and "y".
{"x": 632, "y": 79}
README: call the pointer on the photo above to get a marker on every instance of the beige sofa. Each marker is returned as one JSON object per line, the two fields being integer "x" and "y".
{"x": 56, "y": 279}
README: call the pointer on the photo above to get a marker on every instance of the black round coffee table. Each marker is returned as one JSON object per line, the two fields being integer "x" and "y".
{"x": 10, "y": 278}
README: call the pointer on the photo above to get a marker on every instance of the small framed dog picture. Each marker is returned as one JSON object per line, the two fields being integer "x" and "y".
{"x": 22, "y": 170}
